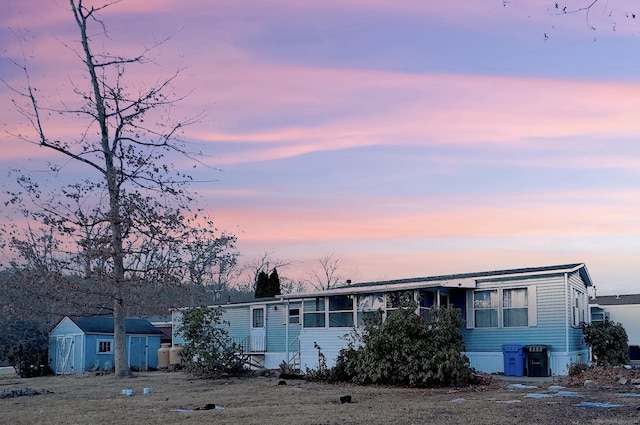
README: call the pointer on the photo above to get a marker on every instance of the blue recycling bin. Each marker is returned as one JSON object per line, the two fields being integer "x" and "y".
{"x": 514, "y": 360}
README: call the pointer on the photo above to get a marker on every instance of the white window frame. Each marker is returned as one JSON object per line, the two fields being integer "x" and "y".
{"x": 311, "y": 310}
{"x": 294, "y": 319}
{"x": 578, "y": 307}
{"x": 370, "y": 304}
{"x": 98, "y": 342}
{"x": 532, "y": 310}
{"x": 476, "y": 309}
{"x": 335, "y": 312}
{"x": 516, "y": 307}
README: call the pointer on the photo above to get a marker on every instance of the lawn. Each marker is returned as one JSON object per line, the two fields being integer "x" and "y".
{"x": 175, "y": 398}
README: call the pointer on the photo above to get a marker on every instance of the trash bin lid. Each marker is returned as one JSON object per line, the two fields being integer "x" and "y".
{"x": 512, "y": 348}
{"x": 537, "y": 348}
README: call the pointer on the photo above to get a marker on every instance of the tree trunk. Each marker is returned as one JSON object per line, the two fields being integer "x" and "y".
{"x": 111, "y": 177}
{"x": 120, "y": 337}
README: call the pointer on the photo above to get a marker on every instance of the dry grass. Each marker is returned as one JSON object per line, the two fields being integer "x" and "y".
{"x": 90, "y": 399}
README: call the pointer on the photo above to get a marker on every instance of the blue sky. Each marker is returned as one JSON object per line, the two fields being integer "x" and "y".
{"x": 406, "y": 138}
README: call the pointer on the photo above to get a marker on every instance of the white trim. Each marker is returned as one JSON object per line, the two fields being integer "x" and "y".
{"x": 567, "y": 320}
{"x": 466, "y": 283}
{"x": 532, "y": 307}
{"x": 111, "y": 344}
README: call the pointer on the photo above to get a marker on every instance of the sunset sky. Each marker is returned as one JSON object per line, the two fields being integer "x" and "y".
{"x": 407, "y": 138}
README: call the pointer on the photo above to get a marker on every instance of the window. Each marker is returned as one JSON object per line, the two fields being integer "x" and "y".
{"x": 399, "y": 299}
{"x": 485, "y": 309}
{"x": 258, "y": 318}
{"x": 340, "y": 311}
{"x": 104, "y": 346}
{"x": 370, "y": 308}
{"x": 294, "y": 316}
{"x": 502, "y": 308}
{"x": 578, "y": 307}
{"x": 598, "y": 315}
{"x": 427, "y": 301}
{"x": 314, "y": 313}
{"x": 515, "y": 307}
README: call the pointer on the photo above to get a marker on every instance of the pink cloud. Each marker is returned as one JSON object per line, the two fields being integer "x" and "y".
{"x": 444, "y": 109}
{"x": 534, "y": 215}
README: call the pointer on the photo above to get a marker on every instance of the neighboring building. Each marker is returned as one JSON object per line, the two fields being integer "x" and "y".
{"x": 163, "y": 324}
{"x": 87, "y": 344}
{"x": 623, "y": 309}
{"x": 529, "y": 306}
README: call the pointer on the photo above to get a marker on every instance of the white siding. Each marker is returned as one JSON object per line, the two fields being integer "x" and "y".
{"x": 629, "y": 317}
{"x": 487, "y": 362}
{"x": 331, "y": 341}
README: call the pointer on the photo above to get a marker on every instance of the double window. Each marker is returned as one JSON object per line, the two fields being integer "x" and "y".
{"x": 506, "y": 308}
{"x": 104, "y": 346}
{"x": 343, "y": 311}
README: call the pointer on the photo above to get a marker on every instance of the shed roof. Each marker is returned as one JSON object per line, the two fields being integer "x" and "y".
{"x": 101, "y": 324}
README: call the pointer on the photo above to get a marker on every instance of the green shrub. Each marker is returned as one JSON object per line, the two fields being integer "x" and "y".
{"x": 404, "y": 350}
{"x": 608, "y": 341}
{"x": 209, "y": 352}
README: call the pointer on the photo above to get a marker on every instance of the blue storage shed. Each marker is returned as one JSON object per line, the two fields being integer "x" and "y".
{"x": 87, "y": 344}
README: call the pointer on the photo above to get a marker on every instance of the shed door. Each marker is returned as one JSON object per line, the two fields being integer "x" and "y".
{"x": 138, "y": 353}
{"x": 258, "y": 328}
{"x": 64, "y": 355}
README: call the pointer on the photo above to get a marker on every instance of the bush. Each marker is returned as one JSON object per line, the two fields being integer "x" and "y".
{"x": 209, "y": 352}
{"x": 576, "y": 369}
{"x": 404, "y": 350}
{"x": 608, "y": 341}
{"x": 25, "y": 346}
{"x": 322, "y": 373}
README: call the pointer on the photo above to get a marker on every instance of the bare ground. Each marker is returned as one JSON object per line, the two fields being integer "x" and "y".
{"x": 175, "y": 398}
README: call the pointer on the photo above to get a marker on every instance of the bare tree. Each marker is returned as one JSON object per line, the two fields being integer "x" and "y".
{"x": 129, "y": 216}
{"x": 328, "y": 276}
{"x": 266, "y": 263}
{"x": 290, "y": 286}
{"x": 585, "y": 8}
{"x": 210, "y": 259}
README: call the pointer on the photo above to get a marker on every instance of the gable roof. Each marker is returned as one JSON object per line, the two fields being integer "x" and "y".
{"x": 616, "y": 299}
{"x": 104, "y": 325}
{"x": 464, "y": 280}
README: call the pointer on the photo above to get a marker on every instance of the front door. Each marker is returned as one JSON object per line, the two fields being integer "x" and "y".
{"x": 258, "y": 329}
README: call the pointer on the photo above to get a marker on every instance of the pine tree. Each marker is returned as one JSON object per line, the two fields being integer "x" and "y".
{"x": 262, "y": 285}
{"x": 274, "y": 284}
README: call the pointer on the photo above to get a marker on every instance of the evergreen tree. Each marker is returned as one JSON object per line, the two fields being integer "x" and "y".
{"x": 274, "y": 284}
{"x": 262, "y": 285}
